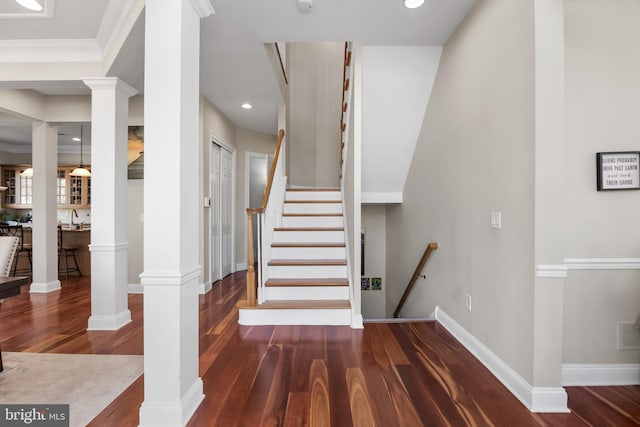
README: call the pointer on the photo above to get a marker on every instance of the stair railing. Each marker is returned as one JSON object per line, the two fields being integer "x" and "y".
{"x": 430, "y": 248}
{"x": 267, "y": 214}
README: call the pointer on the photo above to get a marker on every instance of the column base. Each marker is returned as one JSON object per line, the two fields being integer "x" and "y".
{"x": 44, "y": 287}
{"x": 109, "y": 323}
{"x": 158, "y": 414}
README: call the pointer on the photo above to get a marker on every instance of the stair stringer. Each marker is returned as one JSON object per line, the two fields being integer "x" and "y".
{"x": 271, "y": 220}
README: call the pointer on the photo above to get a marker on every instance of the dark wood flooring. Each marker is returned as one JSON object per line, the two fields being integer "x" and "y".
{"x": 388, "y": 374}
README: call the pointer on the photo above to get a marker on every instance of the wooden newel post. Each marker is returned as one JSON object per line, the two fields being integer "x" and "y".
{"x": 251, "y": 272}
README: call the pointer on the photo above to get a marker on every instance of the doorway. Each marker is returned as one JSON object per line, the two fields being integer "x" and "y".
{"x": 256, "y": 175}
{"x": 221, "y": 183}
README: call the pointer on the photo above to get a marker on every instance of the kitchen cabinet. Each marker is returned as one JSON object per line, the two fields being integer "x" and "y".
{"x": 71, "y": 191}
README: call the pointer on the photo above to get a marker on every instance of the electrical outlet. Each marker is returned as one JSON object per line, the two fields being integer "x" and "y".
{"x": 467, "y": 301}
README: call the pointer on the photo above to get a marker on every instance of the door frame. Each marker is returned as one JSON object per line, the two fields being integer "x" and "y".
{"x": 222, "y": 143}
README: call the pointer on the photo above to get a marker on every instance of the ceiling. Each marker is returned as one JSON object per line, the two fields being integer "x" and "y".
{"x": 234, "y": 64}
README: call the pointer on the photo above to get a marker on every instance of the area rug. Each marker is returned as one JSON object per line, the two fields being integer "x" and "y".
{"x": 88, "y": 383}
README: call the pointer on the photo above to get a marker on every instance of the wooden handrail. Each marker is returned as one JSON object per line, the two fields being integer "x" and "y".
{"x": 430, "y": 248}
{"x": 251, "y": 272}
{"x": 284, "y": 71}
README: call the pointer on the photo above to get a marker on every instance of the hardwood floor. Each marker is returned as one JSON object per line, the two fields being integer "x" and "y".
{"x": 389, "y": 374}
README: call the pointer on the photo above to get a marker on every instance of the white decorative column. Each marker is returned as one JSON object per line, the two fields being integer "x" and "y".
{"x": 172, "y": 387}
{"x": 547, "y": 394}
{"x": 44, "y": 233}
{"x": 109, "y": 284}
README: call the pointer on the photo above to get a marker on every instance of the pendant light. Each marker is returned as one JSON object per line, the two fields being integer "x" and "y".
{"x": 27, "y": 172}
{"x": 81, "y": 170}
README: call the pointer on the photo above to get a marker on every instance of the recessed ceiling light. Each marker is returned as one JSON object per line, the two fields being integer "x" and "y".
{"x": 247, "y": 106}
{"x": 76, "y": 139}
{"x": 412, "y": 4}
{"x": 30, "y": 4}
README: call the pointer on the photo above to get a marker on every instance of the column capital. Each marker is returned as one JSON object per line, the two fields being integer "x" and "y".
{"x": 110, "y": 83}
{"x": 202, "y": 7}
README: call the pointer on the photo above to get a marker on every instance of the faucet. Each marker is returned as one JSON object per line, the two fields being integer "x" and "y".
{"x": 73, "y": 212}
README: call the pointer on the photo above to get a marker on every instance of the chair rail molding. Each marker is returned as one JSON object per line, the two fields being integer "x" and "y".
{"x": 551, "y": 271}
{"x": 602, "y": 263}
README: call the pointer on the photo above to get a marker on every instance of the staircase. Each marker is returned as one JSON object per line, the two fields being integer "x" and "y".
{"x": 307, "y": 274}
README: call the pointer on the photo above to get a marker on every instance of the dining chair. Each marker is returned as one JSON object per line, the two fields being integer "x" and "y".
{"x": 23, "y": 248}
{"x": 8, "y": 249}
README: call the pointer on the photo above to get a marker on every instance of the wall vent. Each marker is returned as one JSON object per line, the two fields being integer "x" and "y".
{"x": 628, "y": 336}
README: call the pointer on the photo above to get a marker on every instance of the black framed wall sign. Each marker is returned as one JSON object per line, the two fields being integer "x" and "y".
{"x": 618, "y": 170}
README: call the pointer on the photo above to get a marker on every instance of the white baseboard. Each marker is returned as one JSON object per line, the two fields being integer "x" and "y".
{"x": 600, "y": 374}
{"x": 357, "y": 321}
{"x": 241, "y": 266}
{"x": 45, "y": 287}
{"x": 536, "y": 399}
{"x": 136, "y": 288}
{"x": 204, "y": 288}
{"x": 109, "y": 323}
{"x": 156, "y": 414}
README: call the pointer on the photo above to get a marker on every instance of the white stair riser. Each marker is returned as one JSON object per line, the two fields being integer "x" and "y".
{"x": 312, "y": 208}
{"x": 316, "y": 316}
{"x": 307, "y": 271}
{"x": 299, "y": 293}
{"x": 312, "y": 221}
{"x": 313, "y": 195}
{"x": 308, "y": 237}
{"x": 308, "y": 253}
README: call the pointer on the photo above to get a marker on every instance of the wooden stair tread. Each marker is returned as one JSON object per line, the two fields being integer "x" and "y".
{"x": 303, "y": 262}
{"x": 314, "y": 189}
{"x": 311, "y": 214}
{"x": 313, "y": 201}
{"x": 307, "y": 282}
{"x": 295, "y": 304}
{"x": 309, "y": 229}
{"x": 308, "y": 245}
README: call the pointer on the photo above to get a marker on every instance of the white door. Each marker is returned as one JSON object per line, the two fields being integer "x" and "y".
{"x": 215, "y": 248}
{"x": 226, "y": 209}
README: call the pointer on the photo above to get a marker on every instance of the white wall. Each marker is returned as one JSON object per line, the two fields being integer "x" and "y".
{"x": 396, "y": 86}
{"x": 602, "y": 106}
{"x": 475, "y": 155}
{"x": 374, "y": 225}
{"x": 313, "y": 117}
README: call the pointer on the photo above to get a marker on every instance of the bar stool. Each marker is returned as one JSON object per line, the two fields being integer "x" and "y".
{"x": 23, "y": 248}
{"x": 64, "y": 252}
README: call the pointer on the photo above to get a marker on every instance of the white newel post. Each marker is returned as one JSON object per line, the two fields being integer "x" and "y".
{"x": 45, "y": 217}
{"x": 109, "y": 281}
{"x": 172, "y": 387}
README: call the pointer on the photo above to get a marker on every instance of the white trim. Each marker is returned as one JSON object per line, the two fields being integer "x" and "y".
{"x": 600, "y": 374}
{"x": 313, "y": 316}
{"x": 109, "y": 323}
{"x": 50, "y": 50}
{"x": 153, "y": 414}
{"x": 43, "y": 288}
{"x": 357, "y": 321}
{"x": 202, "y": 7}
{"x": 136, "y": 288}
{"x": 204, "y": 288}
{"x": 536, "y": 399}
{"x": 375, "y": 198}
{"x": 169, "y": 278}
{"x": 117, "y": 22}
{"x": 241, "y": 266}
{"x": 110, "y": 84}
{"x": 109, "y": 247}
{"x": 602, "y": 263}
{"x": 551, "y": 271}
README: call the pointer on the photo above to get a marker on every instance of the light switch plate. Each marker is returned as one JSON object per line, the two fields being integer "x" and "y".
{"x": 496, "y": 220}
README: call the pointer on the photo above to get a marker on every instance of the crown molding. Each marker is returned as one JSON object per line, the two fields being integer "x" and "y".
{"x": 117, "y": 22}
{"x": 202, "y": 7}
{"x": 51, "y": 50}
